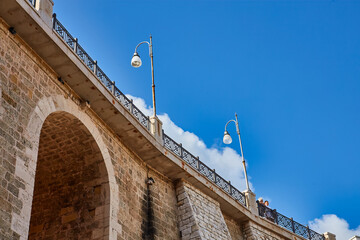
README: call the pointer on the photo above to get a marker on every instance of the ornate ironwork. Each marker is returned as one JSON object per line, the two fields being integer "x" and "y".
{"x": 199, "y": 166}
{"x": 206, "y": 171}
{"x": 288, "y": 223}
{"x": 190, "y": 159}
{"x": 142, "y": 118}
{"x": 92, "y": 65}
{"x": 172, "y": 145}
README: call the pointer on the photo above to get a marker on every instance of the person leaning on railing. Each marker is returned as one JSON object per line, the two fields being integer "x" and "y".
{"x": 265, "y": 211}
{"x": 268, "y": 212}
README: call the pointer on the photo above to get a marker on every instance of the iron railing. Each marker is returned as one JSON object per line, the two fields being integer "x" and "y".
{"x": 92, "y": 65}
{"x": 201, "y": 167}
{"x": 173, "y": 146}
{"x": 288, "y": 223}
{"x": 33, "y": 2}
{"x": 142, "y": 118}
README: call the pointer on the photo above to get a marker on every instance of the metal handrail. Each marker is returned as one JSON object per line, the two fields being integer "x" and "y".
{"x": 202, "y": 168}
{"x": 92, "y": 65}
{"x": 176, "y": 148}
{"x": 288, "y": 223}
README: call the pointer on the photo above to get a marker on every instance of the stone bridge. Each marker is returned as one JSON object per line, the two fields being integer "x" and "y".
{"x": 78, "y": 163}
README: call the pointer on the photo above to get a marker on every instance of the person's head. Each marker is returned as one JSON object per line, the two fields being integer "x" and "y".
{"x": 261, "y": 200}
{"x": 266, "y": 203}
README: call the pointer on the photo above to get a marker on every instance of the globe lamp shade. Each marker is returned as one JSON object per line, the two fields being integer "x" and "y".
{"x": 227, "y": 138}
{"x": 136, "y": 60}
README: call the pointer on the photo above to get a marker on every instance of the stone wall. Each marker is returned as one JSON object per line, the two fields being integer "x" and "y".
{"x": 71, "y": 195}
{"x": 144, "y": 213}
{"x": 64, "y": 174}
{"x": 253, "y": 231}
{"x": 235, "y": 228}
{"x": 200, "y": 216}
{"x": 30, "y": 93}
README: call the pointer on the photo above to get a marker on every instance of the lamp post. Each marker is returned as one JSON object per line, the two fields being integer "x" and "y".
{"x": 136, "y": 62}
{"x": 227, "y": 140}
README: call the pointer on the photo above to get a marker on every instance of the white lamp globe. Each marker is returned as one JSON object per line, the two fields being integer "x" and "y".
{"x": 227, "y": 138}
{"x": 136, "y": 61}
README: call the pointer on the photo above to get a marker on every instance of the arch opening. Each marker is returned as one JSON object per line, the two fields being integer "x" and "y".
{"x": 71, "y": 197}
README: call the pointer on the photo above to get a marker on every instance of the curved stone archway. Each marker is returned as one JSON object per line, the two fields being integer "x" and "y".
{"x": 59, "y": 111}
{"x": 71, "y": 193}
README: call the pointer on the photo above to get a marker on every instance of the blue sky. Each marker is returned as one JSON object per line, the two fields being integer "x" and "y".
{"x": 290, "y": 69}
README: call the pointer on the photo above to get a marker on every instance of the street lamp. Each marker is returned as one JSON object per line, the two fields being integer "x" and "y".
{"x": 136, "y": 62}
{"x": 227, "y": 140}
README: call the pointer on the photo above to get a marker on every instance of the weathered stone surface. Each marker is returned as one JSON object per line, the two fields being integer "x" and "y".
{"x": 199, "y": 216}
{"x": 39, "y": 147}
{"x": 65, "y": 174}
{"x": 252, "y": 231}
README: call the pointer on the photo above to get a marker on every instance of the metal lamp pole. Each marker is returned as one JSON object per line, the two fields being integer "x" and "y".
{"x": 136, "y": 62}
{"x": 228, "y": 140}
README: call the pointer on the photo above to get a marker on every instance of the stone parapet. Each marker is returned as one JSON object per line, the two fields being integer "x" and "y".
{"x": 251, "y": 202}
{"x": 156, "y": 128}
{"x": 329, "y": 236}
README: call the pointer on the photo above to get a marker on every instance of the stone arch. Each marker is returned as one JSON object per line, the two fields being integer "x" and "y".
{"x": 26, "y": 165}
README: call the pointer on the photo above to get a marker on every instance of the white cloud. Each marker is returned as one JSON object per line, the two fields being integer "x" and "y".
{"x": 332, "y": 223}
{"x": 226, "y": 161}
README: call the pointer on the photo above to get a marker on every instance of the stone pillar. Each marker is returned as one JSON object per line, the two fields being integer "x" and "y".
{"x": 251, "y": 202}
{"x": 199, "y": 216}
{"x": 45, "y": 8}
{"x": 330, "y": 236}
{"x": 186, "y": 219}
{"x": 156, "y": 128}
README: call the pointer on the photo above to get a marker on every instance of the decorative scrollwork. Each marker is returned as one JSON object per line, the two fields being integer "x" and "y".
{"x": 222, "y": 183}
{"x": 190, "y": 159}
{"x": 206, "y": 171}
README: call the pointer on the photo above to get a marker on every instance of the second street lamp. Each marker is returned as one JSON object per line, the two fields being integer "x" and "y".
{"x": 227, "y": 140}
{"x": 136, "y": 62}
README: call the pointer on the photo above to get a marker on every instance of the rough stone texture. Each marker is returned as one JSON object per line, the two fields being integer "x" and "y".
{"x": 252, "y": 231}
{"x": 199, "y": 216}
{"x": 102, "y": 178}
{"x": 29, "y": 94}
{"x": 143, "y": 213}
{"x": 71, "y": 195}
{"x": 235, "y": 228}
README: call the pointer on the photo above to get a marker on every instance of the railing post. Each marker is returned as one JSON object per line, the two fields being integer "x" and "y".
{"x": 75, "y": 46}
{"x": 163, "y": 134}
{"x": 198, "y": 165}
{"x": 54, "y": 20}
{"x": 292, "y": 225}
{"x": 181, "y": 150}
{"x": 95, "y": 67}
{"x": 113, "y": 88}
{"x": 131, "y": 106}
{"x": 275, "y": 215}
{"x": 308, "y": 230}
{"x": 258, "y": 206}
